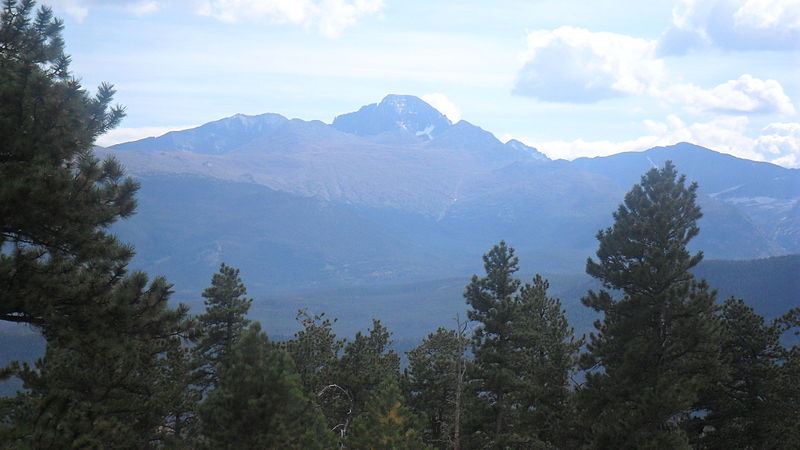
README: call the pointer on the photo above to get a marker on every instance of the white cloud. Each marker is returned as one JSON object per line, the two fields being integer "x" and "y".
{"x": 769, "y": 14}
{"x": 778, "y": 143}
{"x": 329, "y": 17}
{"x": 577, "y": 65}
{"x": 443, "y": 105}
{"x": 580, "y": 148}
{"x": 75, "y": 8}
{"x": 120, "y": 135}
{"x": 79, "y": 9}
{"x": 733, "y": 24}
{"x": 782, "y": 141}
{"x": 142, "y": 8}
{"x": 743, "y": 95}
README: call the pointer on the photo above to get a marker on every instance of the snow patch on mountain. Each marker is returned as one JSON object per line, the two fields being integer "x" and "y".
{"x": 426, "y": 132}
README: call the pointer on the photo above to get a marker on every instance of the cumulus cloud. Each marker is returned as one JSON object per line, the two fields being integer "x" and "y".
{"x": 782, "y": 142}
{"x": 778, "y": 143}
{"x": 329, "y": 17}
{"x": 743, "y": 95}
{"x": 443, "y": 105}
{"x": 733, "y": 24}
{"x": 577, "y": 65}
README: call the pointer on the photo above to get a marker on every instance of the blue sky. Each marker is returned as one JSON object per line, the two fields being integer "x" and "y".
{"x": 572, "y": 78}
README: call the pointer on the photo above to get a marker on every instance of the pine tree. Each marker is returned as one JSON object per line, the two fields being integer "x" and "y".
{"x": 432, "y": 384}
{"x": 492, "y": 376}
{"x": 365, "y": 363}
{"x": 102, "y": 387}
{"x": 523, "y": 352}
{"x": 223, "y": 321}
{"x": 315, "y": 350}
{"x": 545, "y": 355}
{"x": 179, "y": 386}
{"x": 744, "y": 408}
{"x": 61, "y": 271}
{"x": 386, "y": 423}
{"x": 786, "y": 430}
{"x": 259, "y": 401}
{"x": 658, "y": 346}
{"x": 56, "y": 198}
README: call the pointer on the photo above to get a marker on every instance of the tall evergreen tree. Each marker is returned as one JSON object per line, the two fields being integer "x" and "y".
{"x": 259, "y": 401}
{"x": 60, "y": 269}
{"x": 493, "y": 378}
{"x": 545, "y": 355}
{"x": 785, "y": 427}
{"x": 315, "y": 350}
{"x": 658, "y": 346}
{"x": 745, "y": 407}
{"x": 432, "y": 384}
{"x": 366, "y": 362}
{"x": 223, "y": 321}
{"x": 179, "y": 385}
{"x": 523, "y": 351}
{"x": 56, "y": 198}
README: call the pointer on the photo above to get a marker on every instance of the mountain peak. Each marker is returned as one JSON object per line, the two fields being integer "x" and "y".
{"x": 404, "y": 103}
{"x": 395, "y": 113}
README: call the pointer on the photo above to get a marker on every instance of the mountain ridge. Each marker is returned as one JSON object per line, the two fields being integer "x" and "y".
{"x": 444, "y": 196}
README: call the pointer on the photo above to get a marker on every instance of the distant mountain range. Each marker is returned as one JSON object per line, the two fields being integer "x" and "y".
{"x": 396, "y": 193}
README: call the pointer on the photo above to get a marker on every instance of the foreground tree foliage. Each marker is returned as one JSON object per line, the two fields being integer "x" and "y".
{"x": 658, "y": 346}
{"x": 56, "y": 198}
{"x": 61, "y": 271}
{"x": 259, "y": 402}
{"x": 181, "y": 385}
{"x": 386, "y": 423}
{"x": 788, "y": 385}
{"x": 315, "y": 349}
{"x": 758, "y": 404}
{"x": 434, "y": 383}
{"x": 523, "y": 352}
{"x": 747, "y": 409}
{"x": 103, "y": 387}
{"x": 223, "y": 321}
{"x": 366, "y": 362}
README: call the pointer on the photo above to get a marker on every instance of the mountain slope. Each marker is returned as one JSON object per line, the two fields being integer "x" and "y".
{"x": 187, "y": 225}
{"x": 370, "y": 200}
{"x": 214, "y": 138}
{"x": 766, "y": 194}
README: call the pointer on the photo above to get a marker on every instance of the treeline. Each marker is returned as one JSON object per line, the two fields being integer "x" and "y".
{"x": 667, "y": 367}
